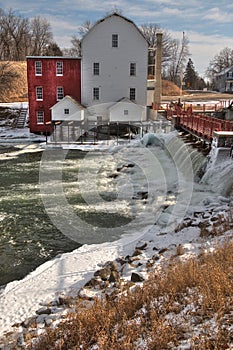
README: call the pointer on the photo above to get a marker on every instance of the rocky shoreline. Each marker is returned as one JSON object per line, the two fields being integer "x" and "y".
{"x": 201, "y": 231}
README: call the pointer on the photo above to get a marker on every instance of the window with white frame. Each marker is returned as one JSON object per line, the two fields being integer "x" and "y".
{"x": 96, "y": 68}
{"x": 126, "y": 112}
{"x": 60, "y": 93}
{"x": 39, "y": 93}
{"x": 38, "y": 68}
{"x": 132, "y": 70}
{"x": 59, "y": 68}
{"x": 96, "y": 93}
{"x": 132, "y": 94}
{"x": 114, "y": 40}
{"x": 66, "y": 111}
{"x": 40, "y": 117}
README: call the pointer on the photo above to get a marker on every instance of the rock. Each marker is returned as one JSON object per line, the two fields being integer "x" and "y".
{"x": 20, "y": 340}
{"x": 143, "y": 194}
{"x": 156, "y": 257}
{"x": 114, "y": 276}
{"x": 163, "y": 250}
{"x": 92, "y": 283}
{"x": 135, "y": 277}
{"x": 107, "y": 270}
{"x": 48, "y": 321}
{"x": 136, "y": 252}
{"x": 104, "y": 273}
{"x": 113, "y": 176}
{"x": 30, "y": 322}
{"x": 142, "y": 246}
{"x": 121, "y": 261}
{"x": 43, "y": 311}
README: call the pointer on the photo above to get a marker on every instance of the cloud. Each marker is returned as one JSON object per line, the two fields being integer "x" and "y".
{"x": 215, "y": 14}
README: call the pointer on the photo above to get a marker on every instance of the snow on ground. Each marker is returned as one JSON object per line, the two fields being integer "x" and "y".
{"x": 19, "y": 135}
{"x": 69, "y": 272}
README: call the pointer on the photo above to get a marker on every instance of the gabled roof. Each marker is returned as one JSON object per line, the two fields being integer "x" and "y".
{"x": 71, "y": 99}
{"x": 116, "y": 15}
{"x": 123, "y": 100}
{"x": 224, "y": 71}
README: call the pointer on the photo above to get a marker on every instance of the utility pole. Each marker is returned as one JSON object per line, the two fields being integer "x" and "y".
{"x": 181, "y": 65}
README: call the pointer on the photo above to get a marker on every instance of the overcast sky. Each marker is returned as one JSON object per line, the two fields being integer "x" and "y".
{"x": 207, "y": 24}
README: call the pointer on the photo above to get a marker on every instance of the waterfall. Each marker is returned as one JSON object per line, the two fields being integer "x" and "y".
{"x": 220, "y": 177}
{"x": 185, "y": 158}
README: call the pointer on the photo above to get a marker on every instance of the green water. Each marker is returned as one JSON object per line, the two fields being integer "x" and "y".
{"x": 27, "y": 236}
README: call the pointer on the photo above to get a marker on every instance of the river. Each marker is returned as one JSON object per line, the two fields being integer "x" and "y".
{"x": 54, "y": 201}
{"x": 27, "y": 236}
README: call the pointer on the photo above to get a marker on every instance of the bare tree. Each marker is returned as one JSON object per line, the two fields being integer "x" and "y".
{"x": 20, "y": 37}
{"x": 177, "y": 61}
{"x": 75, "y": 50}
{"x": 13, "y": 34}
{"x": 222, "y": 60}
{"x": 170, "y": 48}
{"x": 84, "y": 29}
{"x": 41, "y": 36}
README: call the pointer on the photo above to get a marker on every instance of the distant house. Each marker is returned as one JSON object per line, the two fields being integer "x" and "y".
{"x": 108, "y": 84}
{"x": 50, "y": 79}
{"x": 224, "y": 80}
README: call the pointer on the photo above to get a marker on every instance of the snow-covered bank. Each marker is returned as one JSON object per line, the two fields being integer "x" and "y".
{"x": 9, "y": 135}
{"x": 34, "y": 301}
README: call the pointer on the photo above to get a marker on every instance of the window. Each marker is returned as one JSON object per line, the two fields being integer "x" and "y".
{"x": 66, "y": 111}
{"x": 96, "y": 68}
{"x": 132, "y": 70}
{"x": 39, "y": 93}
{"x": 114, "y": 40}
{"x": 60, "y": 93}
{"x": 132, "y": 94}
{"x": 59, "y": 68}
{"x": 40, "y": 117}
{"x": 96, "y": 93}
{"x": 38, "y": 68}
{"x": 126, "y": 112}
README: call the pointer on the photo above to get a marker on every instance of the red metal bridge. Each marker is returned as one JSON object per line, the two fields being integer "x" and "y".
{"x": 199, "y": 124}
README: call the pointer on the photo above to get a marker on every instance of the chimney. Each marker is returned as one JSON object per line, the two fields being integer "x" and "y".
{"x": 158, "y": 71}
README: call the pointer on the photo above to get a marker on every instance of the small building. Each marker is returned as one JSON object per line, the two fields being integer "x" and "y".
{"x": 224, "y": 80}
{"x": 50, "y": 79}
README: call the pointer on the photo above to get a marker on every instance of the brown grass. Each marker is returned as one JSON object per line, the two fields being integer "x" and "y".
{"x": 18, "y": 89}
{"x": 161, "y": 314}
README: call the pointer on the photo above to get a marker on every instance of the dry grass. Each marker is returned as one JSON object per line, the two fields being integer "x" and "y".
{"x": 188, "y": 300}
{"x": 169, "y": 88}
{"x": 201, "y": 96}
{"x": 17, "y": 90}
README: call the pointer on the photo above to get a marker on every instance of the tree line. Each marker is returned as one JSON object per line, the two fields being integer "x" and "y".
{"x": 21, "y": 37}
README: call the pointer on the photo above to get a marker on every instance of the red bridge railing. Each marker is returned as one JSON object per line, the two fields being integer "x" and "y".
{"x": 202, "y": 125}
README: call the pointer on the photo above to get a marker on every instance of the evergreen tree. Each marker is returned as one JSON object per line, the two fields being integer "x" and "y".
{"x": 53, "y": 50}
{"x": 191, "y": 78}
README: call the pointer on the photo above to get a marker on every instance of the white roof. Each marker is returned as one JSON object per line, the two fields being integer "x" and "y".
{"x": 223, "y": 133}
